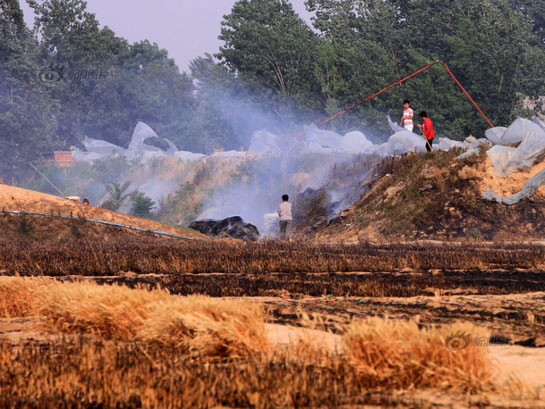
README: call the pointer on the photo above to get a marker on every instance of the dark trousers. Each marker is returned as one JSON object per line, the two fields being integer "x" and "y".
{"x": 429, "y": 144}
{"x": 285, "y": 229}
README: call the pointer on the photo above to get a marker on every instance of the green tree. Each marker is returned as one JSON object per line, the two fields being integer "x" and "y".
{"x": 27, "y": 114}
{"x": 117, "y": 196}
{"x": 272, "y": 49}
{"x": 136, "y": 82}
{"x": 227, "y": 111}
{"x": 142, "y": 205}
{"x": 488, "y": 45}
{"x": 535, "y": 9}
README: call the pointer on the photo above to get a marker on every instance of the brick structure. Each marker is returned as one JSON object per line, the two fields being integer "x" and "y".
{"x": 63, "y": 159}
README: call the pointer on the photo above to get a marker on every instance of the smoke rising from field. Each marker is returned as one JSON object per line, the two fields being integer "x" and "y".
{"x": 289, "y": 173}
{"x": 294, "y": 160}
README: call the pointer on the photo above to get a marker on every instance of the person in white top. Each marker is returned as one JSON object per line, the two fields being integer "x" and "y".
{"x": 408, "y": 114}
{"x": 286, "y": 220}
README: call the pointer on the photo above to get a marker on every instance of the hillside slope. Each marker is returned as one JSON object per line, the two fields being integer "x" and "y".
{"x": 435, "y": 196}
{"x": 14, "y": 198}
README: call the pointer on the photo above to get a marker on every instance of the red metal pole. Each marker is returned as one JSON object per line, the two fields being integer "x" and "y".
{"x": 376, "y": 94}
{"x": 467, "y": 94}
{"x": 401, "y": 81}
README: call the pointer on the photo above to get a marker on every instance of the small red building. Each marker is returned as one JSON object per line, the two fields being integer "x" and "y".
{"x": 63, "y": 159}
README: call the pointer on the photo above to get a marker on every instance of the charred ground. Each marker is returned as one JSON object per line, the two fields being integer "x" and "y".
{"x": 424, "y": 196}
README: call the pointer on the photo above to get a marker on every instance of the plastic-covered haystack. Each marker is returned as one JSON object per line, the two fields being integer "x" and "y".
{"x": 507, "y": 159}
{"x": 137, "y": 147}
{"x": 527, "y": 191}
{"x": 470, "y": 145}
{"x": 496, "y": 136}
{"x": 395, "y": 127}
{"x": 530, "y": 137}
{"x": 446, "y": 144}
{"x": 322, "y": 138}
{"x": 102, "y": 148}
{"x": 356, "y": 142}
{"x": 400, "y": 143}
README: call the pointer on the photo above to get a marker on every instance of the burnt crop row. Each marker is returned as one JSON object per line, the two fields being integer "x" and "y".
{"x": 351, "y": 285}
{"x": 150, "y": 255}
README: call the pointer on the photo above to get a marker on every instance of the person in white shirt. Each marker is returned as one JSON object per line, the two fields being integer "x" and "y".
{"x": 286, "y": 220}
{"x": 408, "y": 114}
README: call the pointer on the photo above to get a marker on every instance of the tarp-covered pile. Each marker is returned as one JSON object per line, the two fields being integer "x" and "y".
{"x": 529, "y": 138}
{"x": 311, "y": 140}
{"x": 138, "y": 148}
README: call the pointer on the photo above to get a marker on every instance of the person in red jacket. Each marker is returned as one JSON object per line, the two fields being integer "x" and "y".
{"x": 427, "y": 130}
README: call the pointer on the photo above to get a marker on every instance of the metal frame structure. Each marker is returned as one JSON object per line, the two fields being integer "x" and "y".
{"x": 401, "y": 81}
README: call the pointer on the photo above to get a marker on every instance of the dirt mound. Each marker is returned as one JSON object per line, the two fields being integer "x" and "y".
{"x": 434, "y": 196}
{"x": 14, "y": 198}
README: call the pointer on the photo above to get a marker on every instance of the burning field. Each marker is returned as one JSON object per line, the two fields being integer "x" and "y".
{"x": 296, "y": 205}
{"x": 94, "y": 315}
{"x": 117, "y": 323}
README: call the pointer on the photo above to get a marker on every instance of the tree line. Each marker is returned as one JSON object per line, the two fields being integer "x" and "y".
{"x": 67, "y": 77}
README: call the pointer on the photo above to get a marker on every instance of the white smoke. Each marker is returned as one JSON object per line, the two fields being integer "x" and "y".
{"x": 284, "y": 164}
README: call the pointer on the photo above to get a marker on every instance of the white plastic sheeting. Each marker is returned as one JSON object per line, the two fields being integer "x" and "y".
{"x": 496, "y": 136}
{"x": 138, "y": 149}
{"x": 314, "y": 139}
{"x": 509, "y": 159}
{"x": 102, "y": 148}
{"x": 399, "y": 143}
{"x": 321, "y": 139}
{"x": 527, "y": 191}
{"x": 354, "y": 142}
{"x": 539, "y": 122}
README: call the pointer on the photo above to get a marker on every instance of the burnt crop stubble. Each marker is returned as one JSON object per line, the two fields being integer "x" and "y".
{"x": 221, "y": 268}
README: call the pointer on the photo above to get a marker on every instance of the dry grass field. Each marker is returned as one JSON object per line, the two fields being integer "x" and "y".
{"x": 97, "y": 317}
{"x": 121, "y": 347}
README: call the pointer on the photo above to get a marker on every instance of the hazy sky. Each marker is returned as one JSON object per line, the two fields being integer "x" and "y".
{"x": 186, "y": 28}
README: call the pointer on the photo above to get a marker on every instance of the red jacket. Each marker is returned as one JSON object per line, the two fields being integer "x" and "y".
{"x": 428, "y": 129}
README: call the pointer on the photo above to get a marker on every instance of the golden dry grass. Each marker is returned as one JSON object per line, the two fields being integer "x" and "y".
{"x": 400, "y": 355}
{"x": 381, "y": 353}
{"x": 196, "y": 324}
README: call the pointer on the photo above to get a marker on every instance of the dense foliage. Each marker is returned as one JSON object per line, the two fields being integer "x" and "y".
{"x": 69, "y": 78}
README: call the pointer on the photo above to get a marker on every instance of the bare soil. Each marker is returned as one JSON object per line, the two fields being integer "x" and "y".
{"x": 433, "y": 196}
{"x": 509, "y": 185}
{"x": 14, "y": 198}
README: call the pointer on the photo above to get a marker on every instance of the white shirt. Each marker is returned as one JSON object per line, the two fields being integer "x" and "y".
{"x": 284, "y": 210}
{"x": 408, "y": 112}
